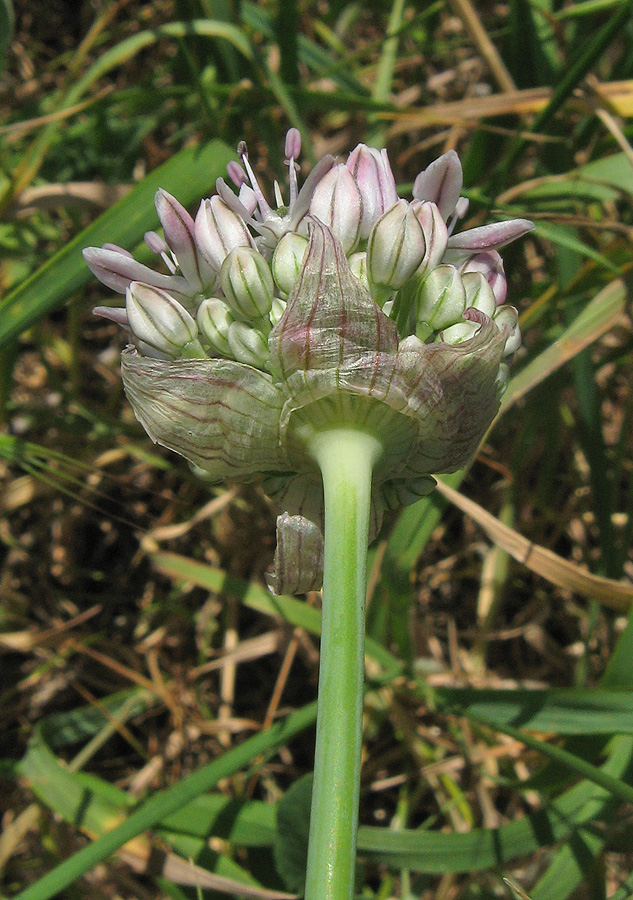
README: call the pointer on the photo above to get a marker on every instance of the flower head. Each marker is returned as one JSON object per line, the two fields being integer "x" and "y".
{"x": 404, "y": 340}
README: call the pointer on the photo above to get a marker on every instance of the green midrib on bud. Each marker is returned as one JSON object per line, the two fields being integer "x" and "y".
{"x": 346, "y": 458}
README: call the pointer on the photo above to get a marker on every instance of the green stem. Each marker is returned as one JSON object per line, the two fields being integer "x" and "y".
{"x": 346, "y": 458}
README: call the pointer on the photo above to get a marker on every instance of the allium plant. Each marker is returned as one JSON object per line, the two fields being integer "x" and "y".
{"x": 342, "y": 347}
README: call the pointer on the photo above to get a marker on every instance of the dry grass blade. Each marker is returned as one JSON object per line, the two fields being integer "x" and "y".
{"x": 617, "y": 95}
{"x": 467, "y": 13}
{"x": 564, "y": 574}
{"x": 180, "y": 871}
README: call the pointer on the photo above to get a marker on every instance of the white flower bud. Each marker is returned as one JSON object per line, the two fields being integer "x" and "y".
{"x": 396, "y": 247}
{"x": 277, "y": 310}
{"x": 358, "y": 265}
{"x": 288, "y": 260}
{"x": 435, "y": 234}
{"x": 159, "y": 321}
{"x": 337, "y": 202}
{"x": 458, "y": 333}
{"x": 248, "y": 345}
{"x": 214, "y": 320}
{"x": 440, "y": 299}
{"x": 508, "y": 317}
{"x": 218, "y": 230}
{"x": 479, "y": 293}
{"x": 247, "y": 284}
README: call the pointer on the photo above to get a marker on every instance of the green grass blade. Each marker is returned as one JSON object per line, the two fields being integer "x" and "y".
{"x": 163, "y": 803}
{"x": 560, "y": 711}
{"x": 487, "y": 848}
{"x": 188, "y": 175}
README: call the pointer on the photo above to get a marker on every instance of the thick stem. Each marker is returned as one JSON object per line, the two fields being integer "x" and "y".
{"x": 346, "y": 458}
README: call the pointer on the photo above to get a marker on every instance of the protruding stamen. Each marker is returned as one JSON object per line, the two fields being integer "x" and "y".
{"x": 242, "y": 150}
{"x": 236, "y": 173}
{"x": 293, "y": 144}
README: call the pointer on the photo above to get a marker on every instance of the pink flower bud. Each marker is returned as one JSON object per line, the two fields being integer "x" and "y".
{"x": 218, "y": 230}
{"x": 441, "y": 182}
{"x": 377, "y": 185}
{"x": 337, "y": 202}
{"x": 179, "y": 234}
{"x": 490, "y": 264}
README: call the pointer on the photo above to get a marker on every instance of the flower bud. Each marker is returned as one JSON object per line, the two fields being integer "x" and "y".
{"x": 158, "y": 320}
{"x": 440, "y": 300}
{"x": 248, "y": 345}
{"x": 218, "y": 230}
{"x": 376, "y": 183}
{"x": 277, "y": 310}
{"x": 441, "y": 182}
{"x": 458, "y": 333}
{"x": 358, "y": 265}
{"x": 507, "y": 317}
{"x": 288, "y": 260}
{"x": 338, "y": 204}
{"x": 214, "y": 320}
{"x": 435, "y": 234}
{"x": 490, "y": 265}
{"x": 396, "y": 247}
{"x": 247, "y": 283}
{"x": 479, "y": 293}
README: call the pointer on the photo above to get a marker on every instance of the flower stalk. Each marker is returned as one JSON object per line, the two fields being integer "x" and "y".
{"x": 346, "y": 458}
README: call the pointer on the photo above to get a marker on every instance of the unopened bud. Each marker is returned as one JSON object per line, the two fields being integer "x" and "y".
{"x": 460, "y": 332}
{"x": 396, "y": 247}
{"x": 338, "y": 204}
{"x": 218, "y": 230}
{"x": 214, "y": 320}
{"x": 507, "y": 317}
{"x": 277, "y": 310}
{"x": 158, "y": 320}
{"x": 358, "y": 265}
{"x": 440, "y": 300}
{"x": 247, "y": 283}
{"x": 435, "y": 234}
{"x": 248, "y": 345}
{"x": 373, "y": 175}
{"x": 490, "y": 264}
{"x": 288, "y": 260}
{"x": 441, "y": 182}
{"x": 479, "y": 293}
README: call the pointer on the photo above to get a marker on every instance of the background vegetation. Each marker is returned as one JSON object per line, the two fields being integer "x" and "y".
{"x": 153, "y": 722}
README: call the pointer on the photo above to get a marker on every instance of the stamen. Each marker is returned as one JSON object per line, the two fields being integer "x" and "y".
{"x": 293, "y": 168}
{"x": 242, "y": 151}
{"x": 170, "y": 261}
{"x": 293, "y": 144}
{"x": 236, "y": 173}
{"x": 279, "y": 200}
